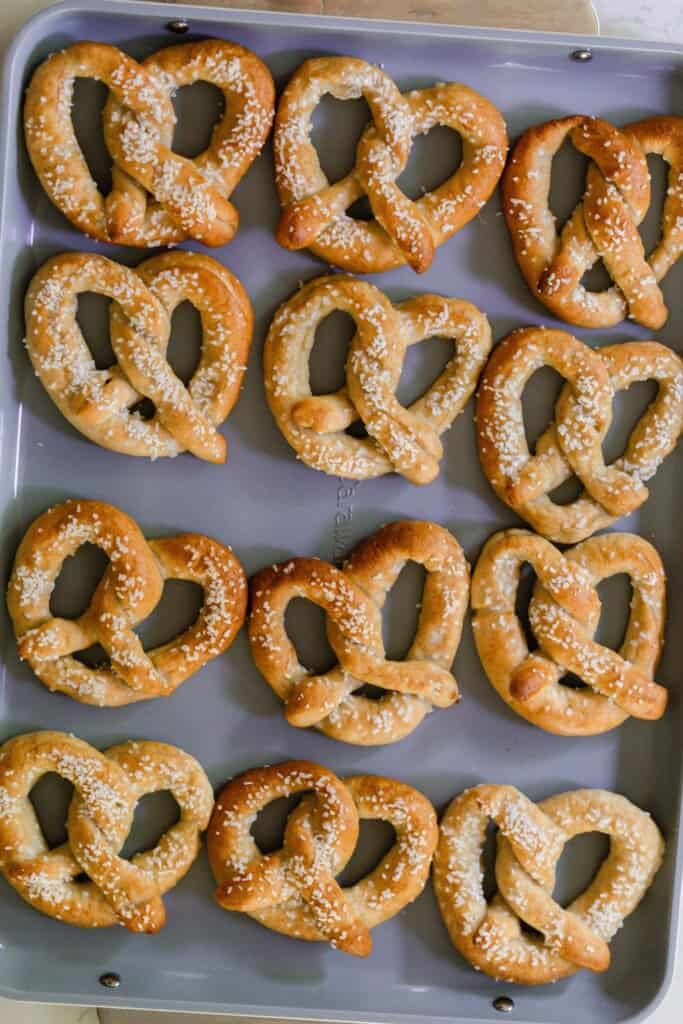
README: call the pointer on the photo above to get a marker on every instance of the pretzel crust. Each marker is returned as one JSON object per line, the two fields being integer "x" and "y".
{"x": 293, "y": 890}
{"x": 129, "y": 590}
{"x": 401, "y": 440}
{"x": 402, "y": 230}
{"x": 352, "y": 599}
{"x": 564, "y": 613}
{"x": 604, "y": 225}
{"x": 572, "y": 444}
{"x": 158, "y": 197}
{"x": 530, "y": 841}
{"x": 107, "y": 787}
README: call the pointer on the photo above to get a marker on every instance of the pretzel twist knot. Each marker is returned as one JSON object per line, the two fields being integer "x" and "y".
{"x": 107, "y": 787}
{"x": 402, "y": 230}
{"x": 401, "y": 440}
{"x": 130, "y": 589}
{"x": 564, "y": 613}
{"x": 530, "y": 841}
{"x": 101, "y": 403}
{"x": 572, "y": 444}
{"x": 294, "y": 889}
{"x": 158, "y": 197}
{"x": 352, "y": 599}
{"x": 604, "y": 225}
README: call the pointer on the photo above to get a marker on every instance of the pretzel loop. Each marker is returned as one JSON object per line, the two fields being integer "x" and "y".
{"x": 530, "y": 841}
{"x": 664, "y": 136}
{"x": 402, "y": 440}
{"x": 352, "y": 600}
{"x": 344, "y": 78}
{"x": 402, "y": 230}
{"x": 293, "y": 889}
{"x": 128, "y": 592}
{"x": 158, "y": 197}
{"x": 101, "y": 403}
{"x": 572, "y": 444}
{"x": 564, "y": 613}
{"x": 107, "y": 788}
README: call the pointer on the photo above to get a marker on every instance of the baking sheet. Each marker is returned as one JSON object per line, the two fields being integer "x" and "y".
{"x": 270, "y": 506}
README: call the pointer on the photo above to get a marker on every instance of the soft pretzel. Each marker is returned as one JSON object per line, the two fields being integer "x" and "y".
{"x": 604, "y": 225}
{"x": 293, "y": 890}
{"x": 572, "y": 444}
{"x": 402, "y": 230}
{"x": 531, "y": 838}
{"x": 107, "y": 787}
{"x": 158, "y": 197}
{"x": 564, "y": 613}
{"x": 352, "y": 599}
{"x": 128, "y": 592}
{"x": 405, "y": 441}
{"x": 101, "y": 403}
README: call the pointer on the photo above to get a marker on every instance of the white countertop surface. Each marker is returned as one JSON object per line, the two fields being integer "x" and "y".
{"x": 639, "y": 19}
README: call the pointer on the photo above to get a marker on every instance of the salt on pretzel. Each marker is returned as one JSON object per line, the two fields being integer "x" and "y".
{"x": 129, "y": 590}
{"x": 352, "y": 599}
{"x": 402, "y": 230}
{"x": 107, "y": 787}
{"x": 531, "y": 837}
{"x": 101, "y": 403}
{"x": 158, "y": 197}
{"x": 604, "y": 225}
{"x": 564, "y": 613}
{"x": 572, "y": 444}
{"x": 402, "y": 440}
{"x": 293, "y": 890}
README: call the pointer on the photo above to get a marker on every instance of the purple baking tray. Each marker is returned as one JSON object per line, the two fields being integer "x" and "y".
{"x": 268, "y": 506}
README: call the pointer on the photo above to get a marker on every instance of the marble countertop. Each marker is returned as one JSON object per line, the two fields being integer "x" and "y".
{"x": 640, "y": 19}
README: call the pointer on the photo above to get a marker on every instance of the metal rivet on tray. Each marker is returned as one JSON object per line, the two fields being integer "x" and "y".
{"x": 503, "y": 1004}
{"x": 110, "y": 980}
{"x": 179, "y": 26}
{"x": 582, "y": 55}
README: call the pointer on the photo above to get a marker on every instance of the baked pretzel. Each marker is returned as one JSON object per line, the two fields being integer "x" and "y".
{"x": 405, "y": 441}
{"x": 293, "y": 890}
{"x": 402, "y": 230}
{"x": 128, "y": 592}
{"x": 530, "y": 840}
{"x": 604, "y": 225}
{"x": 107, "y": 787}
{"x": 352, "y": 599}
{"x": 564, "y": 613}
{"x": 157, "y": 197}
{"x": 101, "y": 403}
{"x": 572, "y": 444}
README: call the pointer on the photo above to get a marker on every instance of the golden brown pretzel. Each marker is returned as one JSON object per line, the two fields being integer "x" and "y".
{"x": 101, "y": 403}
{"x": 402, "y": 230}
{"x": 530, "y": 841}
{"x": 604, "y": 225}
{"x": 400, "y": 440}
{"x": 352, "y": 599}
{"x": 564, "y": 613}
{"x": 158, "y": 197}
{"x": 107, "y": 787}
{"x": 572, "y": 444}
{"x": 293, "y": 890}
{"x": 127, "y": 593}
